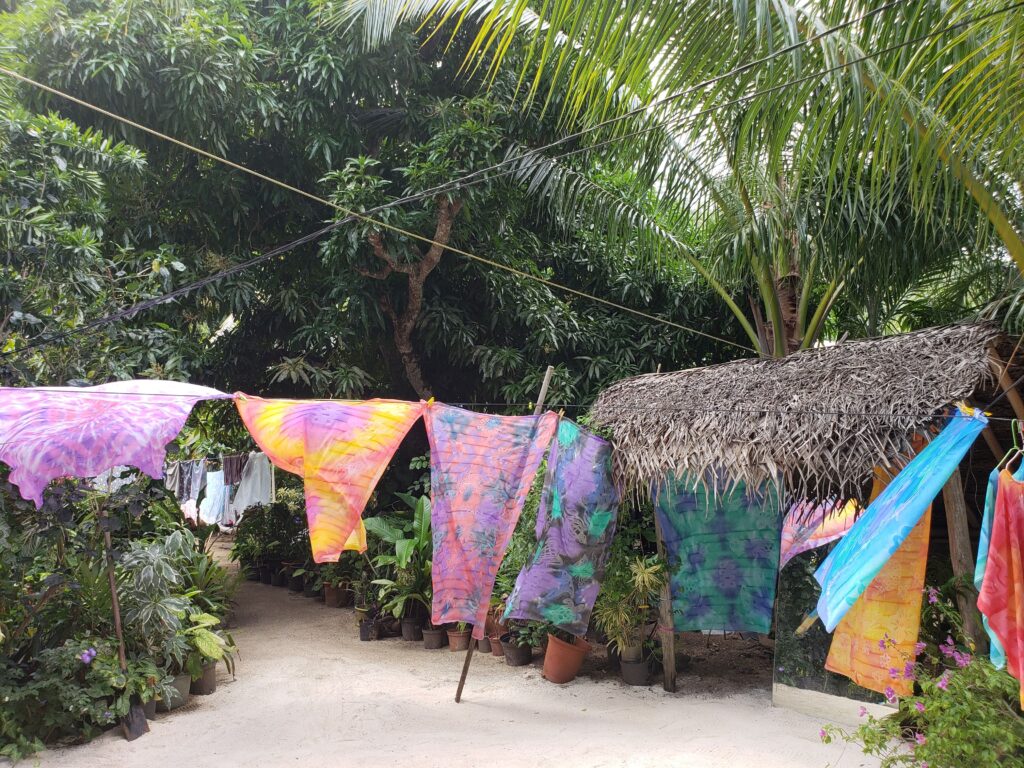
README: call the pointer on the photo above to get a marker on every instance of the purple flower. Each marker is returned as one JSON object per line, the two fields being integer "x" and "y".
{"x": 908, "y": 671}
{"x": 87, "y": 656}
{"x": 919, "y": 648}
{"x": 822, "y": 734}
{"x": 893, "y": 673}
{"x": 881, "y": 644}
{"x": 782, "y": 669}
{"x": 919, "y": 706}
{"x": 961, "y": 659}
{"x": 948, "y": 648}
{"x": 920, "y": 739}
{"x": 933, "y": 595}
{"x": 943, "y": 681}
{"x": 890, "y": 694}
{"x": 862, "y": 711}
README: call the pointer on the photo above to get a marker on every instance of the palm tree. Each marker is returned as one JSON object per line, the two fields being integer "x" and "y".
{"x": 863, "y": 161}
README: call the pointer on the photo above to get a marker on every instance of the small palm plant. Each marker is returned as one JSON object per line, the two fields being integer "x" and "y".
{"x": 629, "y": 591}
{"x": 410, "y": 588}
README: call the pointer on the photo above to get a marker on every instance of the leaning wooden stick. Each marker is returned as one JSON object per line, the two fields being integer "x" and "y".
{"x": 472, "y": 644}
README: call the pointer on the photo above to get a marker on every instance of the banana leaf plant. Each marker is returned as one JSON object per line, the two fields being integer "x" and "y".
{"x": 410, "y": 562}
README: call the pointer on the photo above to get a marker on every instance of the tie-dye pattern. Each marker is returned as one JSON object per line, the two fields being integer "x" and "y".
{"x": 723, "y": 555}
{"x": 52, "y": 432}
{"x": 809, "y": 526}
{"x": 481, "y": 469}
{"x": 1001, "y": 600}
{"x": 889, "y": 519}
{"x": 340, "y": 448}
{"x": 878, "y": 634}
{"x": 575, "y": 526}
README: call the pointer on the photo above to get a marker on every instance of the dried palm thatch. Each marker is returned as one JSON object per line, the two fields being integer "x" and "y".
{"x": 817, "y": 421}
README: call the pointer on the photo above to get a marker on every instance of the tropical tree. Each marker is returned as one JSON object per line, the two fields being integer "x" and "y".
{"x": 837, "y": 165}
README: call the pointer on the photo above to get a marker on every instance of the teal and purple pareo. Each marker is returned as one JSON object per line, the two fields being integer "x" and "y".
{"x": 575, "y": 525}
{"x": 723, "y": 555}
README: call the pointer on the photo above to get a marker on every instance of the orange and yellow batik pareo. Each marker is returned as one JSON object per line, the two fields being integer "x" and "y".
{"x": 875, "y": 640}
{"x": 340, "y": 448}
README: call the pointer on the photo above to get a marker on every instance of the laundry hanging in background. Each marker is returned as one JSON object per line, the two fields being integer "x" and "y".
{"x": 173, "y": 479}
{"x": 889, "y": 519}
{"x": 481, "y": 470}
{"x": 575, "y": 526}
{"x": 115, "y": 478}
{"x": 340, "y": 448}
{"x": 808, "y": 526}
{"x": 877, "y": 636}
{"x": 1001, "y": 600}
{"x": 211, "y": 508}
{"x": 723, "y": 554}
{"x": 256, "y": 485}
{"x": 52, "y": 432}
{"x": 233, "y": 466}
{"x": 195, "y": 472}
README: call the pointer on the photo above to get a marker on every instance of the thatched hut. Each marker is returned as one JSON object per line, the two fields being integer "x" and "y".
{"x": 817, "y": 421}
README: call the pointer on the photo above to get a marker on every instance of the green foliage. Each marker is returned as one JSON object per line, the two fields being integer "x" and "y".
{"x": 407, "y": 588}
{"x": 964, "y": 711}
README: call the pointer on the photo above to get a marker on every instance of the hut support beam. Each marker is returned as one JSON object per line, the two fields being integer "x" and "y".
{"x": 962, "y": 556}
{"x": 1002, "y": 373}
{"x": 666, "y": 630}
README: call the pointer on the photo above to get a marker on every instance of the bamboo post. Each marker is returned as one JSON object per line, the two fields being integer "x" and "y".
{"x": 666, "y": 630}
{"x": 538, "y": 408}
{"x": 961, "y": 555}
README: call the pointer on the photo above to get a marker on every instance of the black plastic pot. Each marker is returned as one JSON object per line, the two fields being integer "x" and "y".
{"x": 252, "y": 573}
{"x": 206, "y": 683}
{"x": 484, "y": 644}
{"x": 266, "y": 575}
{"x": 515, "y": 655}
{"x": 149, "y": 709}
{"x": 434, "y": 638}
{"x": 296, "y": 583}
{"x": 635, "y": 672}
{"x": 412, "y": 629}
{"x": 369, "y": 630}
{"x": 308, "y": 590}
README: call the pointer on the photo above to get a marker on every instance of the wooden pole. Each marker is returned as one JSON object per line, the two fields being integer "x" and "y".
{"x": 1002, "y": 373}
{"x": 962, "y": 556}
{"x": 135, "y": 724}
{"x": 666, "y": 630}
{"x": 538, "y": 408}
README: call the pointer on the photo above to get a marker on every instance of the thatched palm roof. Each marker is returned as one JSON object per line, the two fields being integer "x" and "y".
{"x": 818, "y": 420}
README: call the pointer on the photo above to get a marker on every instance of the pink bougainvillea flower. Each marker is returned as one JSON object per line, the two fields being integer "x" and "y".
{"x": 822, "y": 734}
{"x": 961, "y": 659}
{"x": 908, "y": 671}
{"x": 933, "y": 595}
{"x": 863, "y": 711}
{"x": 919, "y": 648}
{"x": 943, "y": 681}
{"x": 919, "y": 706}
{"x": 920, "y": 739}
{"x": 948, "y": 648}
{"x": 890, "y": 694}
{"x": 893, "y": 672}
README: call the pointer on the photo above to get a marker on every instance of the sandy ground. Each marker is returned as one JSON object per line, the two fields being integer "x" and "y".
{"x": 308, "y": 693}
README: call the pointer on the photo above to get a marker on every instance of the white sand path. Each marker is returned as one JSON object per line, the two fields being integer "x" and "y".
{"x": 309, "y": 694}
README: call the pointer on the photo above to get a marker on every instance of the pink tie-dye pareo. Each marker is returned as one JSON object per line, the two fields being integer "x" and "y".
{"x": 340, "y": 448}
{"x": 809, "y": 526}
{"x": 52, "y": 432}
{"x": 481, "y": 469}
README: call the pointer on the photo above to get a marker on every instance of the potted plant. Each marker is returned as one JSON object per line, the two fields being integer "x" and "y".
{"x": 369, "y": 622}
{"x": 458, "y": 636}
{"x": 207, "y": 646}
{"x": 407, "y": 595}
{"x": 624, "y": 608}
{"x": 564, "y": 656}
{"x": 518, "y": 643}
{"x": 434, "y": 637}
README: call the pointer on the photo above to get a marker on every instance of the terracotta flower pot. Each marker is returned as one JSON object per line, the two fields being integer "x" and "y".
{"x": 206, "y": 683}
{"x": 496, "y": 646}
{"x": 412, "y": 629}
{"x": 347, "y": 595}
{"x": 484, "y": 644}
{"x": 636, "y": 672}
{"x": 516, "y": 655}
{"x": 458, "y": 640}
{"x": 332, "y": 596}
{"x": 434, "y": 638}
{"x": 562, "y": 660}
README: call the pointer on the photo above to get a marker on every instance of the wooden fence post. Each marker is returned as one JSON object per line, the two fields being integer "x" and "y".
{"x": 962, "y": 556}
{"x": 666, "y": 630}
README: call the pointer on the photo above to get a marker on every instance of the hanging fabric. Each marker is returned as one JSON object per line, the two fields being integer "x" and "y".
{"x": 340, "y": 448}
{"x": 52, "y": 432}
{"x": 172, "y": 479}
{"x": 575, "y": 526}
{"x": 211, "y": 508}
{"x": 1001, "y": 600}
{"x": 195, "y": 471}
{"x": 876, "y": 637}
{"x": 723, "y": 554}
{"x": 889, "y": 519}
{"x": 481, "y": 469}
{"x": 808, "y": 526}
{"x": 233, "y": 467}
{"x": 256, "y": 485}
